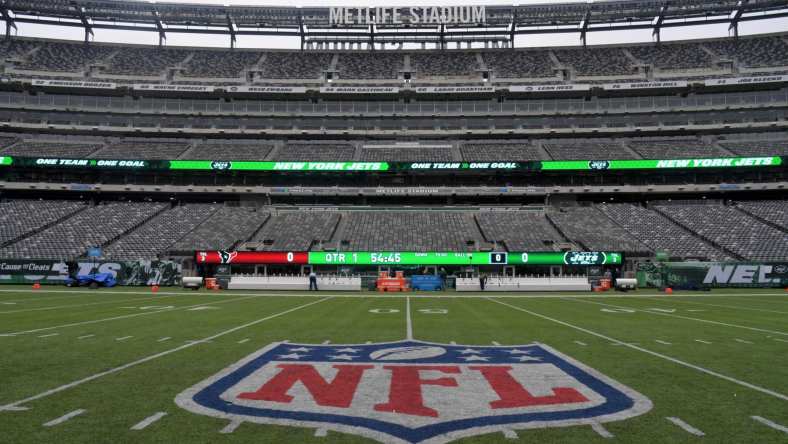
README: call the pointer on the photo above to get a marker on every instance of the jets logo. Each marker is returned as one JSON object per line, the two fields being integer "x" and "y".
{"x": 218, "y": 165}
{"x": 598, "y": 164}
{"x": 412, "y": 391}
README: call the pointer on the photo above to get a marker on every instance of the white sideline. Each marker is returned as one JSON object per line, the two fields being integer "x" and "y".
{"x": 78, "y": 382}
{"x": 446, "y": 296}
{"x": 149, "y": 420}
{"x": 653, "y": 353}
{"x": 114, "y": 318}
{"x": 64, "y": 418}
{"x": 707, "y": 321}
{"x": 86, "y": 305}
{"x": 601, "y": 430}
{"x": 687, "y": 428}
{"x": 771, "y": 424}
{"x": 408, "y": 321}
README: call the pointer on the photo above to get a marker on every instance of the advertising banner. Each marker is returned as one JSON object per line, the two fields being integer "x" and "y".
{"x": 699, "y": 275}
{"x": 359, "y": 90}
{"x": 21, "y": 271}
{"x": 267, "y": 89}
{"x": 73, "y": 84}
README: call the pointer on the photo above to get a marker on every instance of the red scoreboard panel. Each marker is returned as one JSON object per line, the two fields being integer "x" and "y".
{"x": 252, "y": 257}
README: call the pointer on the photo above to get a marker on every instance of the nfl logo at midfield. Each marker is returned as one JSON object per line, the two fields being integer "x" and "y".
{"x": 413, "y": 391}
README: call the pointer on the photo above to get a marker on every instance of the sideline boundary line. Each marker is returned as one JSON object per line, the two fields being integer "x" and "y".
{"x": 16, "y": 404}
{"x": 647, "y": 351}
{"x": 339, "y": 294}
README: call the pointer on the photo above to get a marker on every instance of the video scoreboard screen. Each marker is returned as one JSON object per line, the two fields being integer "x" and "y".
{"x": 410, "y": 258}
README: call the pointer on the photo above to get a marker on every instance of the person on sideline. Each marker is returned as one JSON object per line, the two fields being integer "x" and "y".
{"x": 312, "y": 280}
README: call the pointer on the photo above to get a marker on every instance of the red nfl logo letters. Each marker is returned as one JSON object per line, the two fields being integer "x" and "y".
{"x": 413, "y": 391}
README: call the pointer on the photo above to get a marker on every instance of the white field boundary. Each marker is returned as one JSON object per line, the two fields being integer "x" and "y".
{"x": 16, "y": 405}
{"x": 439, "y": 295}
{"x": 698, "y": 368}
{"x": 705, "y": 321}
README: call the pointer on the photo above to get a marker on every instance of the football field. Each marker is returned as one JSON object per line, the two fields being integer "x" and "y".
{"x": 127, "y": 365}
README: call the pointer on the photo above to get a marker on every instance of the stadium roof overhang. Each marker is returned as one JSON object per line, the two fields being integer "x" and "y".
{"x": 385, "y": 25}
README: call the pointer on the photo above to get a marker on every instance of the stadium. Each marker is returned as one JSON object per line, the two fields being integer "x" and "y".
{"x": 405, "y": 224}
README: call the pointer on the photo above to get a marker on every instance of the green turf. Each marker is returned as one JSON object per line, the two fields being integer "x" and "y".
{"x": 744, "y": 334}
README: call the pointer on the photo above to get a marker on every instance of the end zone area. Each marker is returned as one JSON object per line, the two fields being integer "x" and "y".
{"x": 108, "y": 365}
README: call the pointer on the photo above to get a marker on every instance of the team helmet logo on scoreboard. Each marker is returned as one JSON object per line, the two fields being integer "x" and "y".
{"x": 225, "y": 257}
{"x": 412, "y": 391}
{"x": 220, "y": 165}
{"x": 598, "y": 164}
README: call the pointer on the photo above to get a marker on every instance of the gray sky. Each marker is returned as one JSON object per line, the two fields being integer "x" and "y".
{"x": 173, "y": 39}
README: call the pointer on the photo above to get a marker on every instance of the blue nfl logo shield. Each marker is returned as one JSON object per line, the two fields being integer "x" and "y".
{"x": 413, "y": 391}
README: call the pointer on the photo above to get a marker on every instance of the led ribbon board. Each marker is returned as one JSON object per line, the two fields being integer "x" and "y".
{"x": 356, "y": 167}
{"x": 716, "y": 162}
{"x": 410, "y": 258}
{"x": 276, "y": 166}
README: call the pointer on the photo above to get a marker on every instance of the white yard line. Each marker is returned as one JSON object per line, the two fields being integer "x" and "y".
{"x": 743, "y": 341}
{"x": 581, "y": 343}
{"x": 321, "y": 432}
{"x": 778, "y": 339}
{"x": 408, "y": 321}
{"x": 64, "y": 418}
{"x": 49, "y": 335}
{"x": 707, "y": 321}
{"x": 86, "y": 336}
{"x": 152, "y": 357}
{"x": 702, "y": 341}
{"x": 653, "y": 353}
{"x": 124, "y": 338}
{"x": 662, "y": 342}
{"x": 601, "y": 430}
{"x": 149, "y": 420}
{"x": 243, "y": 341}
{"x": 166, "y": 338}
{"x": 686, "y": 427}
{"x": 326, "y": 342}
{"x": 230, "y": 428}
{"x": 114, "y": 318}
{"x": 495, "y": 343}
{"x": 771, "y": 424}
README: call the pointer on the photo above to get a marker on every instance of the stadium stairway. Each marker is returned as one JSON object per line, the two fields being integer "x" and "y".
{"x": 716, "y": 245}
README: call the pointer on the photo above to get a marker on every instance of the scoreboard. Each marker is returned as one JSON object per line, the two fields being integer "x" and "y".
{"x": 410, "y": 258}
